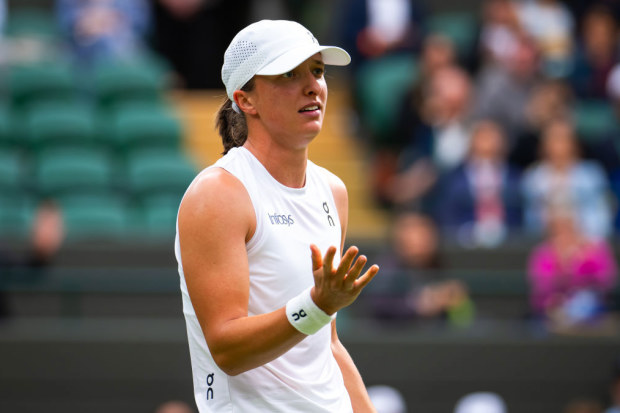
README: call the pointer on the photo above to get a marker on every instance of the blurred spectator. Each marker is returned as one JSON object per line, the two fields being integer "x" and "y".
{"x": 46, "y": 238}
{"x": 500, "y": 31}
{"x": 104, "y": 29}
{"x": 411, "y": 285}
{"x": 480, "y": 200}
{"x": 504, "y": 89}
{"x": 596, "y": 54}
{"x": 374, "y": 28}
{"x": 583, "y": 406}
{"x": 193, "y": 36}
{"x": 387, "y": 399}
{"x": 548, "y": 101}
{"x": 437, "y": 53}
{"x": 174, "y": 406}
{"x": 570, "y": 275}
{"x": 438, "y": 138}
{"x": 550, "y": 24}
{"x": 614, "y": 389}
{"x": 481, "y": 402}
{"x": 562, "y": 178}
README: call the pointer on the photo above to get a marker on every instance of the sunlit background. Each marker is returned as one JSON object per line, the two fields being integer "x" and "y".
{"x": 479, "y": 141}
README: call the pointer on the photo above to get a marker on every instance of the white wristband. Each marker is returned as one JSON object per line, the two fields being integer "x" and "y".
{"x": 305, "y": 315}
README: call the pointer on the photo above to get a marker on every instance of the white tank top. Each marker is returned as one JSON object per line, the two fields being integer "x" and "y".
{"x": 306, "y": 378}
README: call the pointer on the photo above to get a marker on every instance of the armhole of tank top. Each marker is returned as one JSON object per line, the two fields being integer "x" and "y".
{"x": 256, "y": 240}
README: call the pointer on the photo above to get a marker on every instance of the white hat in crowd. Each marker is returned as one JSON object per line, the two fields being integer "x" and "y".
{"x": 387, "y": 399}
{"x": 481, "y": 403}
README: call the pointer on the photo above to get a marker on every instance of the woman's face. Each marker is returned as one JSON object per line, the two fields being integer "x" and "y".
{"x": 291, "y": 106}
{"x": 559, "y": 143}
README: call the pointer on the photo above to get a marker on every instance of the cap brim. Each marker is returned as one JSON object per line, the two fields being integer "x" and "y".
{"x": 288, "y": 61}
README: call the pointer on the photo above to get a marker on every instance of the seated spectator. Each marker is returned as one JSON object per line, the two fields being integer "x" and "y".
{"x": 481, "y": 402}
{"x": 596, "y": 54}
{"x": 549, "y": 100}
{"x": 570, "y": 275}
{"x": 550, "y": 24}
{"x": 411, "y": 285}
{"x": 480, "y": 200}
{"x": 500, "y": 31}
{"x": 104, "y": 29}
{"x": 437, "y": 53}
{"x": 562, "y": 178}
{"x": 371, "y": 29}
{"x": 46, "y": 238}
{"x": 503, "y": 89}
{"x": 438, "y": 141}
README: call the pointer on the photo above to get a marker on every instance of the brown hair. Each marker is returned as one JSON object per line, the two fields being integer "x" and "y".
{"x": 231, "y": 125}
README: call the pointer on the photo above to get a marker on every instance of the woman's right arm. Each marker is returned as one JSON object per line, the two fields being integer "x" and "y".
{"x": 216, "y": 219}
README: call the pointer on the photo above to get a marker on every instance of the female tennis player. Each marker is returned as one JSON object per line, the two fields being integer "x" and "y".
{"x": 259, "y": 240}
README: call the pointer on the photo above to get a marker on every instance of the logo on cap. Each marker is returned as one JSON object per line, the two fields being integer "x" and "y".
{"x": 314, "y": 40}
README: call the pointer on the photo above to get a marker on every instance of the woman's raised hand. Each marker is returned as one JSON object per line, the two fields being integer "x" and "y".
{"x": 336, "y": 288}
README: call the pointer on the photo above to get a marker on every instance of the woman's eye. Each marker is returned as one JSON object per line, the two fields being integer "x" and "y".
{"x": 319, "y": 71}
{"x": 288, "y": 74}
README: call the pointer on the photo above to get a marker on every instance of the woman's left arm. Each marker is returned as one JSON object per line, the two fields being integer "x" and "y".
{"x": 352, "y": 379}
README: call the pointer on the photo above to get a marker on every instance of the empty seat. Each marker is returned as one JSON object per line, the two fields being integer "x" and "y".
{"x": 121, "y": 81}
{"x": 61, "y": 171}
{"x": 459, "y": 27}
{"x": 11, "y": 171}
{"x": 594, "y": 119}
{"x": 104, "y": 216}
{"x": 139, "y": 126}
{"x": 57, "y": 125}
{"x": 381, "y": 86}
{"x": 32, "y": 22}
{"x": 42, "y": 82}
{"x": 159, "y": 213}
{"x": 159, "y": 171}
{"x": 16, "y": 214}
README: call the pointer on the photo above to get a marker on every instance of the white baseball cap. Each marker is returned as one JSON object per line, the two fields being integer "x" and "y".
{"x": 272, "y": 47}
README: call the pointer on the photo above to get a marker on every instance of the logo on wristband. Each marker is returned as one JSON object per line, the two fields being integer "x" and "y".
{"x": 298, "y": 315}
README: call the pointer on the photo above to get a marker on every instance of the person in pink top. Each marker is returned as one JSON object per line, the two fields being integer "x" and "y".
{"x": 569, "y": 274}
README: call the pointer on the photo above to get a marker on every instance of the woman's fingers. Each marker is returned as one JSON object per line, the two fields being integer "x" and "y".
{"x": 362, "y": 281}
{"x": 354, "y": 272}
{"x": 317, "y": 258}
{"x": 328, "y": 261}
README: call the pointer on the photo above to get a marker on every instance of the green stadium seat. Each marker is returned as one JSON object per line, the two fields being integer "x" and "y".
{"x": 159, "y": 213}
{"x": 139, "y": 126}
{"x": 594, "y": 119}
{"x": 159, "y": 171}
{"x": 65, "y": 170}
{"x": 54, "y": 125}
{"x": 6, "y": 137}
{"x": 104, "y": 216}
{"x": 42, "y": 82}
{"x": 32, "y": 22}
{"x": 459, "y": 27}
{"x": 381, "y": 86}
{"x": 11, "y": 170}
{"x": 135, "y": 80}
{"x": 16, "y": 214}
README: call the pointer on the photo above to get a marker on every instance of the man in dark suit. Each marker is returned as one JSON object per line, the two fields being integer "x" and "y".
{"x": 481, "y": 198}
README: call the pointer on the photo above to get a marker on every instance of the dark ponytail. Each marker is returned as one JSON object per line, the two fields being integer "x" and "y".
{"x": 231, "y": 125}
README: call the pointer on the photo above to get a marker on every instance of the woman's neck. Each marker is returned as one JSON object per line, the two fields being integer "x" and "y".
{"x": 287, "y": 166}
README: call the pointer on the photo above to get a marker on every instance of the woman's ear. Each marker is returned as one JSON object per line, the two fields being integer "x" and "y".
{"x": 244, "y": 101}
